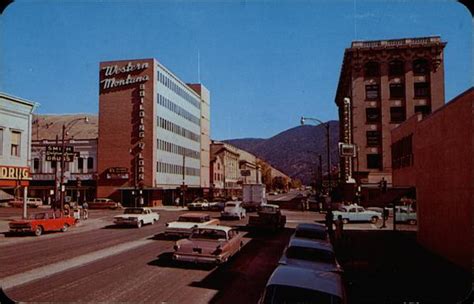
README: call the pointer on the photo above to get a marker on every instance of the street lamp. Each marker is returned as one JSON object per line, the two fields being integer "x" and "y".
{"x": 65, "y": 128}
{"x": 326, "y": 124}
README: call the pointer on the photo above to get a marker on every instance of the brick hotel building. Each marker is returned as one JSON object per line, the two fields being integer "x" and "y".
{"x": 151, "y": 126}
{"x": 383, "y": 83}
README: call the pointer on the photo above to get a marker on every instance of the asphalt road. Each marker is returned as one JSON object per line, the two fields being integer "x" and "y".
{"x": 99, "y": 262}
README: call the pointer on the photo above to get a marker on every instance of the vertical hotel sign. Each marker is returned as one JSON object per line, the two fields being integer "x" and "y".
{"x": 141, "y": 135}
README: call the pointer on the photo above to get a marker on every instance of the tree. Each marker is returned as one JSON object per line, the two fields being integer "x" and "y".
{"x": 280, "y": 182}
{"x": 295, "y": 183}
{"x": 266, "y": 174}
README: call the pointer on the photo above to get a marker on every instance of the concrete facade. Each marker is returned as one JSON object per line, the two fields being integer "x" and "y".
{"x": 435, "y": 155}
{"x": 385, "y": 82}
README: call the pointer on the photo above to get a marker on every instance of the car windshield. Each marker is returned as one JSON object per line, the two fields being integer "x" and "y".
{"x": 208, "y": 234}
{"x": 133, "y": 211}
{"x": 191, "y": 219}
{"x": 310, "y": 254}
{"x": 311, "y": 234}
{"x": 279, "y": 294}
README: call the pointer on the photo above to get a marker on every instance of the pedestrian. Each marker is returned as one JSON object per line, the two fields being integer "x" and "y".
{"x": 176, "y": 202}
{"x": 329, "y": 220}
{"x": 339, "y": 230}
{"x": 85, "y": 212}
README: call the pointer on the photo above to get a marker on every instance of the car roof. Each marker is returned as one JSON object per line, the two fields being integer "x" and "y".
{"x": 327, "y": 282}
{"x": 194, "y": 214}
{"x": 270, "y": 205}
{"x": 311, "y": 226}
{"x": 310, "y": 243}
{"x": 216, "y": 227}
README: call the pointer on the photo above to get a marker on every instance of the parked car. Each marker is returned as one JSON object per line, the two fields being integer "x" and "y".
{"x": 104, "y": 203}
{"x": 355, "y": 213}
{"x": 311, "y": 231}
{"x": 311, "y": 254}
{"x": 210, "y": 244}
{"x": 289, "y": 284}
{"x": 405, "y": 214}
{"x": 137, "y": 216}
{"x": 233, "y": 209}
{"x": 31, "y": 202}
{"x": 268, "y": 217}
{"x": 199, "y": 204}
{"x": 217, "y": 205}
{"x": 185, "y": 224}
{"x": 41, "y": 222}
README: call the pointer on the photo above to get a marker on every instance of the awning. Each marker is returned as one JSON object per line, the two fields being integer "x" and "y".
{"x": 392, "y": 196}
{"x": 4, "y": 196}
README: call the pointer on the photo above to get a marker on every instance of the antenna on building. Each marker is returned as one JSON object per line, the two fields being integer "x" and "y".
{"x": 199, "y": 67}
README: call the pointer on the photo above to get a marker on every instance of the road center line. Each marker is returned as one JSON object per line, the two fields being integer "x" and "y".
{"x": 51, "y": 269}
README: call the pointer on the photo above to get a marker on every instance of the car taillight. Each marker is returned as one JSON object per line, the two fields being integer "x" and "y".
{"x": 218, "y": 250}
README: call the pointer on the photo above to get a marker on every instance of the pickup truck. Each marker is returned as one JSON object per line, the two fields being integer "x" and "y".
{"x": 137, "y": 217}
{"x": 31, "y": 202}
{"x": 269, "y": 217}
{"x": 41, "y": 222}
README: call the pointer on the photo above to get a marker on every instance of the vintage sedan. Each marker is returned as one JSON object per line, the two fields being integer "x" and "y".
{"x": 104, "y": 203}
{"x": 41, "y": 222}
{"x": 210, "y": 244}
{"x": 289, "y": 284}
{"x": 311, "y": 231}
{"x": 233, "y": 209}
{"x": 137, "y": 217}
{"x": 355, "y": 213}
{"x": 405, "y": 214}
{"x": 185, "y": 224}
{"x": 311, "y": 254}
{"x": 199, "y": 204}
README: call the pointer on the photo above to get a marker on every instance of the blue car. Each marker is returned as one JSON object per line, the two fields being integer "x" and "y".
{"x": 356, "y": 213}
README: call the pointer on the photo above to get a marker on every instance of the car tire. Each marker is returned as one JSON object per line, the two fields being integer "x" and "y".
{"x": 374, "y": 219}
{"x": 412, "y": 222}
{"x": 38, "y": 231}
{"x": 139, "y": 224}
{"x": 345, "y": 221}
{"x": 65, "y": 228}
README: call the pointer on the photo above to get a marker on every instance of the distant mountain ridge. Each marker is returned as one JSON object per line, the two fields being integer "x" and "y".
{"x": 295, "y": 151}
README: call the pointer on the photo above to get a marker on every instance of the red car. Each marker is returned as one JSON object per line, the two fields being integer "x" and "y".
{"x": 44, "y": 221}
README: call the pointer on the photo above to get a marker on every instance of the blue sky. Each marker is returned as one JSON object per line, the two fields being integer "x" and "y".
{"x": 266, "y": 63}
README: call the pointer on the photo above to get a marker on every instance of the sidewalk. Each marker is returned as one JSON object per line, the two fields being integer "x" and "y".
{"x": 391, "y": 267}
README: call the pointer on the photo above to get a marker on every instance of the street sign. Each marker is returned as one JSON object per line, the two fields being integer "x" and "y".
{"x": 347, "y": 150}
{"x": 58, "y": 149}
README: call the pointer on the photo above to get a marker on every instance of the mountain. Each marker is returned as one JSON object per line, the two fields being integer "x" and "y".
{"x": 295, "y": 151}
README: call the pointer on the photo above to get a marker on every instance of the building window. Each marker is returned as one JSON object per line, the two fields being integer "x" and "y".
{"x": 36, "y": 164}
{"x": 372, "y": 115}
{"x": 372, "y": 92}
{"x": 53, "y": 164}
{"x": 373, "y": 138}
{"x": 15, "y": 143}
{"x": 396, "y": 68}
{"x": 397, "y": 114}
{"x": 422, "y": 89}
{"x": 420, "y": 67}
{"x": 397, "y": 91}
{"x": 80, "y": 164}
{"x": 90, "y": 163}
{"x": 371, "y": 69}
{"x": 424, "y": 110}
{"x": 373, "y": 161}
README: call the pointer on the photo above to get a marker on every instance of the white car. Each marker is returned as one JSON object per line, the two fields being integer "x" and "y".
{"x": 233, "y": 209}
{"x": 137, "y": 217}
{"x": 185, "y": 224}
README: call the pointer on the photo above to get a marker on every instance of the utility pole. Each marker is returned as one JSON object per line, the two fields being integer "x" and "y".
{"x": 62, "y": 170}
{"x": 56, "y": 179}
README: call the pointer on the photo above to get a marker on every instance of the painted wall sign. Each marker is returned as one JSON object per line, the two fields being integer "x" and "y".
{"x": 16, "y": 173}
